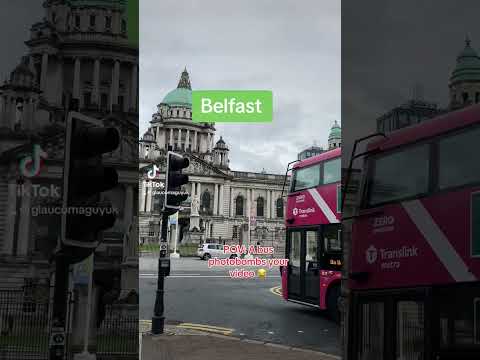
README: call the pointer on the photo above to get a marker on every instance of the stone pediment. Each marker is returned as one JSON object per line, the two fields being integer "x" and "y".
{"x": 200, "y": 167}
{"x": 197, "y": 167}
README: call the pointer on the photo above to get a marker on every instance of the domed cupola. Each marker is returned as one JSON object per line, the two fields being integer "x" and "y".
{"x": 148, "y": 137}
{"x": 465, "y": 78}
{"x": 335, "y": 136}
{"x": 220, "y": 145}
{"x": 22, "y": 76}
{"x": 147, "y": 145}
{"x": 182, "y": 95}
{"x": 220, "y": 154}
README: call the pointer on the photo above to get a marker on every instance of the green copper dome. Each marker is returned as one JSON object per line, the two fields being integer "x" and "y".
{"x": 335, "y": 132}
{"x": 182, "y": 95}
{"x": 468, "y": 65}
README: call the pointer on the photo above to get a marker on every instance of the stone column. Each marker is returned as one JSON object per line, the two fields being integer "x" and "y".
{"x": 43, "y": 74}
{"x": 57, "y": 97}
{"x": 253, "y": 202}
{"x": 141, "y": 203}
{"x": 199, "y": 189}
{"x": 96, "y": 82}
{"x": 24, "y": 224}
{"x": 195, "y": 141}
{"x": 269, "y": 202}
{"x": 249, "y": 203}
{"x": 115, "y": 82}
{"x": 76, "y": 79}
{"x": 232, "y": 202}
{"x": 187, "y": 140}
{"x": 134, "y": 88}
{"x": 215, "y": 200}
{"x": 128, "y": 207}
{"x": 10, "y": 217}
{"x": 179, "y": 140}
{"x": 220, "y": 206}
{"x": 148, "y": 200}
{"x": 170, "y": 142}
{"x": 272, "y": 204}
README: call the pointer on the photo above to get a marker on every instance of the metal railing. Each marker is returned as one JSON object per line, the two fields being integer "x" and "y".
{"x": 117, "y": 336}
{"x": 24, "y": 324}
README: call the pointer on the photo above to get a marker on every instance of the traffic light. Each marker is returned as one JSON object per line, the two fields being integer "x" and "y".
{"x": 84, "y": 178}
{"x": 174, "y": 179}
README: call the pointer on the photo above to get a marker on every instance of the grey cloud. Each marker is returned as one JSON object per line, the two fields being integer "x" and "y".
{"x": 290, "y": 47}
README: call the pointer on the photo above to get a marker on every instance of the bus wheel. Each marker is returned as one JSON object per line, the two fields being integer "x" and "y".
{"x": 206, "y": 256}
{"x": 332, "y": 303}
{"x": 233, "y": 256}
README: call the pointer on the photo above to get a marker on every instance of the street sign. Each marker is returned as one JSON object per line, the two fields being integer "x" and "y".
{"x": 81, "y": 271}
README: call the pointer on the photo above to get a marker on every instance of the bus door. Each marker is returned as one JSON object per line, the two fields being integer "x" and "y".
{"x": 391, "y": 325}
{"x": 303, "y": 266}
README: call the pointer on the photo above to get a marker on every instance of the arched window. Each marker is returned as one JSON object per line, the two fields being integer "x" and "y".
{"x": 239, "y": 206}
{"x": 260, "y": 206}
{"x": 205, "y": 201}
{"x": 280, "y": 208}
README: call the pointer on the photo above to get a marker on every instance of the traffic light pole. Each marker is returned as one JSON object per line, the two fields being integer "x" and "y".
{"x": 158, "y": 319}
{"x": 58, "y": 331}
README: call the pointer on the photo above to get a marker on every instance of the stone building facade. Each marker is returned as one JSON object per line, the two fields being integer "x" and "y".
{"x": 79, "y": 50}
{"x": 221, "y": 199}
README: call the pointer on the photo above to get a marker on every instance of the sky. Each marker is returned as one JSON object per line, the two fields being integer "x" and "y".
{"x": 389, "y": 46}
{"x": 16, "y": 18}
{"x": 290, "y": 47}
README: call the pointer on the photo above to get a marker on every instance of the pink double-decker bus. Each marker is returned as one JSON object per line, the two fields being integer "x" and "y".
{"x": 415, "y": 263}
{"x": 313, "y": 245}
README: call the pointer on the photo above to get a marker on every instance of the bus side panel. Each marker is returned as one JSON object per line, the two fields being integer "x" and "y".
{"x": 285, "y": 283}
{"x": 416, "y": 242}
{"x": 325, "y": 283}
{"x": 313, "y": 206}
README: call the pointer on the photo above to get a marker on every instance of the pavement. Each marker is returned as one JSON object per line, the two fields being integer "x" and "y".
{"x": 183, "y": 344}
{"x": 208, "y": 300}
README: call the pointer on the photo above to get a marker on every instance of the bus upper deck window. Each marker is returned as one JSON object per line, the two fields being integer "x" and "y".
{"x": 398, "y": 175}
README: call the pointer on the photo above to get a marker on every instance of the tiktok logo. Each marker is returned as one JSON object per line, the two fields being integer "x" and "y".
{"x": 31, "y": 165}
{"x": 152, "y": 174}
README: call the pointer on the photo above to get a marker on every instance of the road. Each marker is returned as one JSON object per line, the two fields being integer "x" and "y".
{"x": 240, "y": 307}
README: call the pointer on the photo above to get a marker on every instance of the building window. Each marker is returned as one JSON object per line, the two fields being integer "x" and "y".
{"x": 465, "y": 97}
{"x": 279, "y": 208}
{"x": 477, "y": 97}
{"x": 260, "y": 206}
{"x": 104, "y": 101}
{"x": 92, "y": 20}
{"x": 77, "y": 21}
{"x": 239, "y": 206}
{"x": 120, "y": 102}
{"x": 235, "y": 231}
{"x": 54, "y": 17}
{"x": 206, "y": 201}
{"x": 87, "y": 99}
{"x": 108, "y": 22}
{"x": 124, "y": 26}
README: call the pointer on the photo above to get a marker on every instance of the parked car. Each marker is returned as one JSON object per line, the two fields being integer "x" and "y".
{"x": 207, "y": 251}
